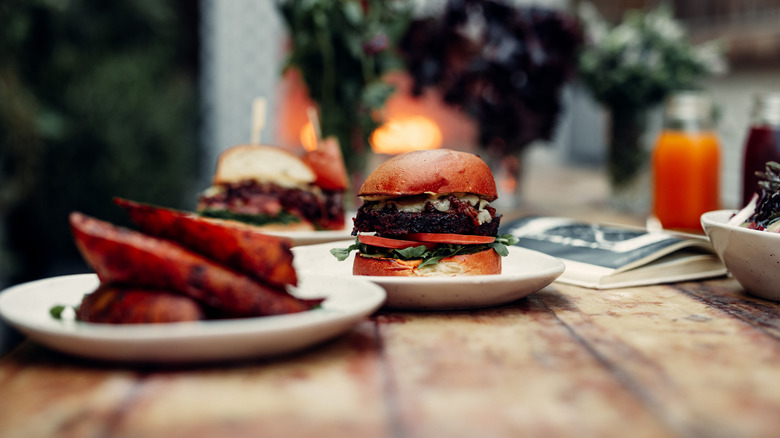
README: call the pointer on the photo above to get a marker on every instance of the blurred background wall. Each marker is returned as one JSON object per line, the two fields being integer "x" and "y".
{"x": 137, "y": 98}
{"x": 243, "y": 50}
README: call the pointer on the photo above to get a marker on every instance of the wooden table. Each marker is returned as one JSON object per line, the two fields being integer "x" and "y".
{"x": 697, "y": 359}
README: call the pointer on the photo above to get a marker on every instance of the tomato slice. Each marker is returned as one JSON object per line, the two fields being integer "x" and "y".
{"x": 459, "y": 239}
{"x": 328, "y": 165}
{"x": 386, "y": 242}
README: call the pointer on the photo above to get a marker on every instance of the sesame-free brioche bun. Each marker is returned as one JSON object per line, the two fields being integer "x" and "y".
{"x": 482, "y": 263}
{"x": 262, "y": 163}
{"x": 430, "y": 171}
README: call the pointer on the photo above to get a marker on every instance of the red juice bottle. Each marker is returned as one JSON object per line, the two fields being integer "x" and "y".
{"x": 762, "y": 143}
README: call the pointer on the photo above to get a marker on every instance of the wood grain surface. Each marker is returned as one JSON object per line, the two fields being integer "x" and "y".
{"x": 697, "y": 359}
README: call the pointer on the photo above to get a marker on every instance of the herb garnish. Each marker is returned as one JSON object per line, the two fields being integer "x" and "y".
{"x": 57, "y": 310}
{"x": 429, "y": 256}
{"x": 252, "y": 219}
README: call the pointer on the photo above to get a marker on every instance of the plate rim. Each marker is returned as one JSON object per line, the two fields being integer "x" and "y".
{"x": 401, "y": 290}
{"x": 264, "y": 326}
{"x": 514, "y": 252}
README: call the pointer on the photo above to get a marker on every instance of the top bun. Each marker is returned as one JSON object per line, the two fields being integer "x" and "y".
{"x": 263, "y": 164}
{"x": 430, "y": 171}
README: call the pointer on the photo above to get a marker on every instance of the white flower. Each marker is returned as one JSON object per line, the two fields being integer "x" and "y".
{"x": 647, "y": 47}
{"x": 596, "y": 28}
{"x": 660, "y": 22}
{"x": 709, "y": 55}
{"x": 624, "y": 37}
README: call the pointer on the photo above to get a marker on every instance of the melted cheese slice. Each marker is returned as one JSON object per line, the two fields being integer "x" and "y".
{"x": 416, "y": 204}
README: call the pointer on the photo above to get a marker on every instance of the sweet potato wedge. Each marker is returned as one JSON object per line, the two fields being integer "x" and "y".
{"x": 238, "y": 246}
{"x": 122, "y": 256}
{"x": 128, "y": 305}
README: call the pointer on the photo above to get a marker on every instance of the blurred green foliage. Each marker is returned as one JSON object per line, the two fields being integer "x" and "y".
{"x": 97, "y": 99}
{"x": 644, "y": 58}
{"x": 343, "y": 49}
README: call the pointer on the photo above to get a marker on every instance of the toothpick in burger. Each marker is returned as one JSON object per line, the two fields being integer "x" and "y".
{"x": 428, "y": 213}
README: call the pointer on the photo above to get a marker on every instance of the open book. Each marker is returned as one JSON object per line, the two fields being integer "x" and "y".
{"x": 610, "y": 256}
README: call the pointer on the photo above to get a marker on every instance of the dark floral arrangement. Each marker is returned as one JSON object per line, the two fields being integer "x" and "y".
{"x": 503, "y": 64}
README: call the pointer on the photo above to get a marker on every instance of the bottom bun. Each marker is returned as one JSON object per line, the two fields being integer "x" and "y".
{"x": 482, "y": 263}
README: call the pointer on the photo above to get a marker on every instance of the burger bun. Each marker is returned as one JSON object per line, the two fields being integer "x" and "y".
{"x": 434, "y": 171}
{"x": 487, "y": 262}
{"x": 262, "y": 163}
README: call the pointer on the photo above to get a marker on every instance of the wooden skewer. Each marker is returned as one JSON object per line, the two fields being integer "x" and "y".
{"x": 258, "y": 118}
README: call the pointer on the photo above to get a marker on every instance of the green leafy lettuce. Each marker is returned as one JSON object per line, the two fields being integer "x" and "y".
{"x": 429, "y": 256}
{"x": 252, "y": 219}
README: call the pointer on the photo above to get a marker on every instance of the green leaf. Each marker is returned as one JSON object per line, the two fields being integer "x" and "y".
{"x": 376, "y": 94}
{"x": 252, "y": 219}
{"x": 431, "y": 261}
{"x": 429, "y": 256}
{"x": 353, "y": 43}
{"x": 56, "y": 311}
{"x": 507, "y": 239}
{"x": 501, "y": 249}
{"x": 343, "y": 253}
{"x": 413, "y": 252}
{"x": 353, "y": 13}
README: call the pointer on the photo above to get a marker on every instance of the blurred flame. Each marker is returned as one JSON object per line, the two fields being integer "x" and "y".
{"x": 404, "y": 134}
{"x": 309, "y": 137}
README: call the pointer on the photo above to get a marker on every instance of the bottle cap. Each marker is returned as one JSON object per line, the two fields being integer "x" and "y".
{"x": 766, "y": 109}
{"x": 689, "y": 106}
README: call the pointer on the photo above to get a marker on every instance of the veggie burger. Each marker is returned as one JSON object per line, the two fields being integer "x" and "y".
{"x": 427, "y": 213}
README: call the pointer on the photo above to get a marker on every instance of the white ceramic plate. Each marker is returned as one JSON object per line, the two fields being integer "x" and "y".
{"x": 300, "y": 238}
{"x": 524, "y": 272}
{"x": 26, "y": 307}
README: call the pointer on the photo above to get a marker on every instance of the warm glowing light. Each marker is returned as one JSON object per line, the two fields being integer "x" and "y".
{"x": 404, "y": 134}
{"x": 308, "y": 137}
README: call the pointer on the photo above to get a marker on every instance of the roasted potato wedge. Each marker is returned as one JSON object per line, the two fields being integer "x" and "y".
{"x": 238, "y": 246}
{"x": 128, "y": 305}
{"x": 121, "y": 256}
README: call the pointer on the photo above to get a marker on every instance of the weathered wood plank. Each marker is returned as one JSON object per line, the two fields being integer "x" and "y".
{"x": 333, "y": 390}
{"x": 701, "y": 371}
{"x": 692, "y": 359}
{"x": 504, "y": 372}
{"x": 44, "y": 394}
{"x": 731, "y": 298}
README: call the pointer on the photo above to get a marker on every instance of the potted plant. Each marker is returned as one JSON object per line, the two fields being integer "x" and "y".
{"x": 633, "y": 66}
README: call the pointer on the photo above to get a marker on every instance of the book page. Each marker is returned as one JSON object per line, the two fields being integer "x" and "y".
{"x": 595, "y": 244}
{"x": 598, "y": 255}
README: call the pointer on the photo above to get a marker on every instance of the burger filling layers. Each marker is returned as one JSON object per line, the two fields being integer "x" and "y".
{"x": 267, "y": 203}
{"x": 426, "y": 227}
{"x": 450, "y": 213}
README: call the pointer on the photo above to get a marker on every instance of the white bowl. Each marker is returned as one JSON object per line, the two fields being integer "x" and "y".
{"x": 752, "y": 256}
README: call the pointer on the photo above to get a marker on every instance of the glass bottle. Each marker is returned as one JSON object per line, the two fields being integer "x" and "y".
{"x": 762, "y": 143}
{"x": 686, "y": 163}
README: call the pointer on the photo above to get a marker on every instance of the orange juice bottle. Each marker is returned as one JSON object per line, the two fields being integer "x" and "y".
{"x": 686, "y": 163}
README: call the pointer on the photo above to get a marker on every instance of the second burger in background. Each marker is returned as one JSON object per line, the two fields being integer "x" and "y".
{"x": 427, "y": 213}
{"x": 273, "y": 188}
